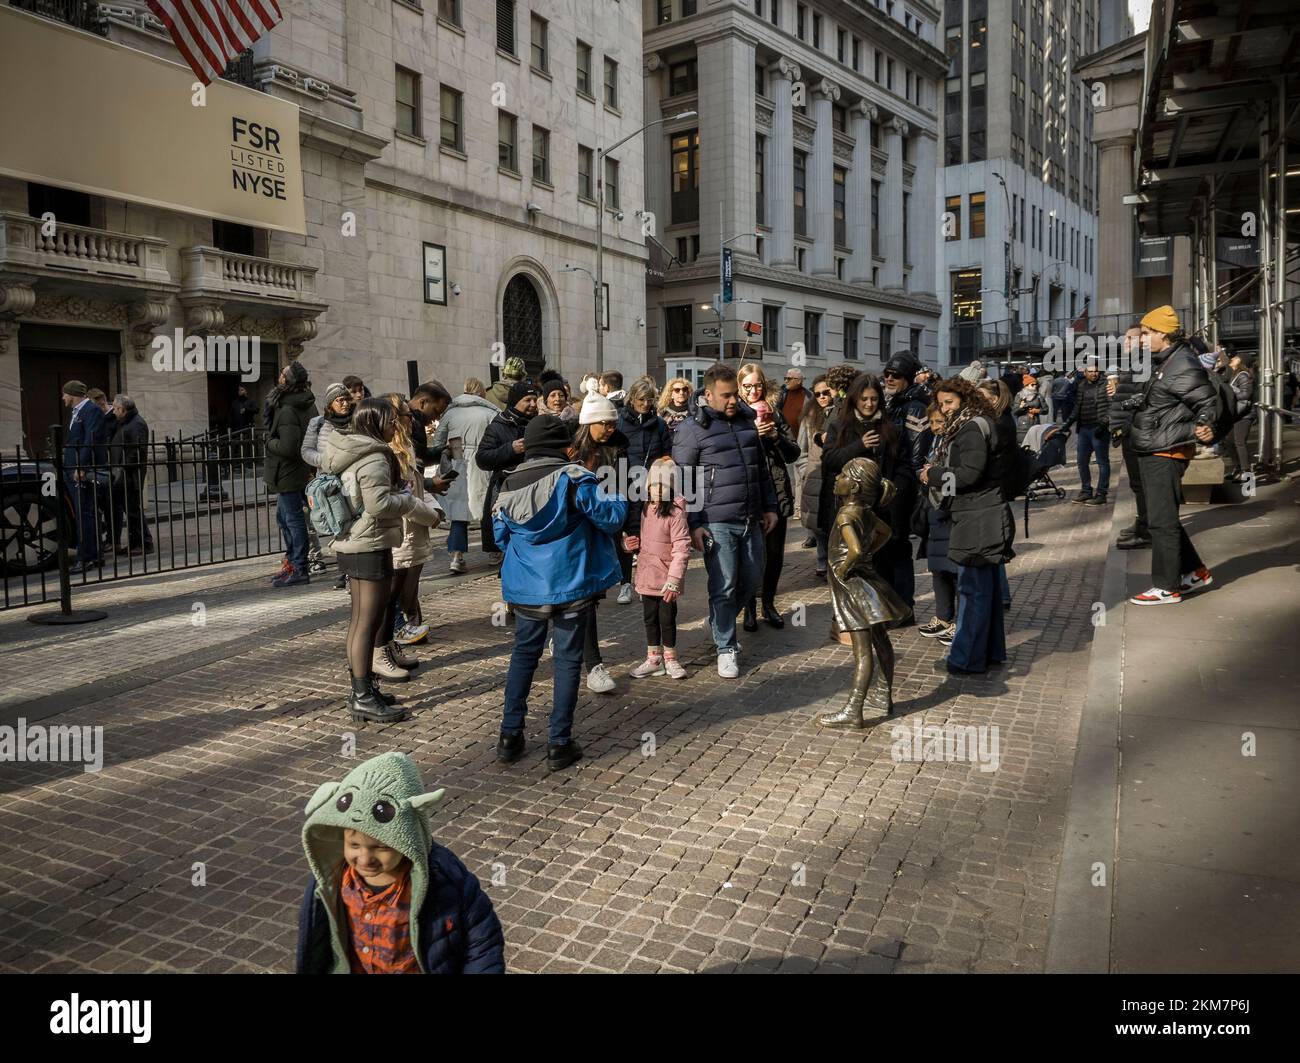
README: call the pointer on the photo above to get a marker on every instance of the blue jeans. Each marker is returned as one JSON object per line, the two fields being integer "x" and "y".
{"x": 1093, "y": 440}
{"x": 458, "y": 537}
{"x": 1004, "y": 585}
{"x": 735, "y": 567}
{"x": 980, "y": 639}
{"x": 530, "y": 639}
{"x": 291, "y": 516}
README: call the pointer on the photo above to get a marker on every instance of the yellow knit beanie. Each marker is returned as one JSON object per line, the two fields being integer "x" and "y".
{"x": 1162, "y": 319}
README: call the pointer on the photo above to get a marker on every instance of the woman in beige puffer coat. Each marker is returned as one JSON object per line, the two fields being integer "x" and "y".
{"x": 373, "y": 482}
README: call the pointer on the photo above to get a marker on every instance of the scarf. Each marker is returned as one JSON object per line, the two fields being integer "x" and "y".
{"x": 951, "y": 423}
{"x": 341, "y": 421}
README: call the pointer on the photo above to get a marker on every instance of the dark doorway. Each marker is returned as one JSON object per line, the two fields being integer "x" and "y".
{"x": 521, "y": 317}
{"x": 223, "y": 387}
{"x": 50, "y": 356}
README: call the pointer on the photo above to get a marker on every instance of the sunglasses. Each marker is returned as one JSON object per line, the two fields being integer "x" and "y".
{"x": 823, "y": 394}
{"x": 889, "y": 374}
{"x": 679, "y": 387}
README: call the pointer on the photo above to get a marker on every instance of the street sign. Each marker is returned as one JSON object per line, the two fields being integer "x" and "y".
{"x": 727, "y": 288}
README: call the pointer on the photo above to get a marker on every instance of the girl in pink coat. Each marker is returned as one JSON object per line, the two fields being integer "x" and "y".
{"x": 663, "y": 548}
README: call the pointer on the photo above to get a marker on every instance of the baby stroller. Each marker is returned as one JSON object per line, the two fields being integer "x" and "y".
{"x": 1046, "y": 442}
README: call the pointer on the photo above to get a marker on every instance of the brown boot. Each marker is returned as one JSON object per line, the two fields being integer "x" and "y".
{"x": 848, "y": 718}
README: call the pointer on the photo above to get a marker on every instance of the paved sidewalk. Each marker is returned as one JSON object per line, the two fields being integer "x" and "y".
{"x": 1186, "y": 786}
{"x": 710, "y": 827}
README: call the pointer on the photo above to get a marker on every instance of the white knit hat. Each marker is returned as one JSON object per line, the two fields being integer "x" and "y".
{"x": 596, "y": 407}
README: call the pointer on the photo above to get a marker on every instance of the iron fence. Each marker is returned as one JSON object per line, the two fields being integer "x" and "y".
{"x": 94, "y": 513}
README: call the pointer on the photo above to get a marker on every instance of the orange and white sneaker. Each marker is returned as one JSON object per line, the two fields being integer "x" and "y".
{"x": 1197, "y": 581}
{"x": 1155, "y": 596}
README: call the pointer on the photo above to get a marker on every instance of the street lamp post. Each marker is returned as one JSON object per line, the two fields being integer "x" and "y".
{"x": 599, "y": 163}
{"x": 722, "y": 286}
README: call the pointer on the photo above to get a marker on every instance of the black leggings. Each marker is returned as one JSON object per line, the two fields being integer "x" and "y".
{"x": 370, "y": 603}
{"x": 404, "y": 594}
{"x": 660, "y": 621}
{"x": 773, "y": 559}
{"x": 624, "y": 561}
{"x": 945, "y": 596}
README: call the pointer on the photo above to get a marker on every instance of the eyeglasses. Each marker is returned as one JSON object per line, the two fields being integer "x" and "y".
{"x": 751, "y": 387}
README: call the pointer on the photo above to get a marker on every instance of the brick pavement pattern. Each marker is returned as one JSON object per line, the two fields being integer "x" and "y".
{"x": 710, "y": 827}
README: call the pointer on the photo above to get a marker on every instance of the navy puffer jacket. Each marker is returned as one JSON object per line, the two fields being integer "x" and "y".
{"x": 726, "y": 463}
{"x": 648, "y": 438}
{"x": 459, "y": 931}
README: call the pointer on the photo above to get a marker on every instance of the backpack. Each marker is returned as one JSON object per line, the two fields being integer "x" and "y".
{"x": 1021, "y": 469}
{"x": 332, "y": 512}
{"x": 1226, "y": 413}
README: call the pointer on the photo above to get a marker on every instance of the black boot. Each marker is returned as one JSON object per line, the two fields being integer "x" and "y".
{"x": 510, "y": 747}
{"x": 751, "y": 616}
{"x": 367, "y": 704}
{"x": 772, "y": 615}
{"x": 560, "y": 757}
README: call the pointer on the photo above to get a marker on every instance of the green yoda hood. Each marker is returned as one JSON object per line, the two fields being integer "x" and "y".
{"x": 384, "y": 798}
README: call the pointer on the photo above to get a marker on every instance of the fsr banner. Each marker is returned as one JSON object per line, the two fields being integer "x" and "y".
{"x": 89, "y": 114}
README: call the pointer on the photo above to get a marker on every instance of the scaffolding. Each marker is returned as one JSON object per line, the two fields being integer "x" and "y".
{"x": 1219, "y": 122}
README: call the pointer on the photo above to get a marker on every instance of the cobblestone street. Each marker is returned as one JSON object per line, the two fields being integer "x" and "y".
{"x": 710, "y": 827}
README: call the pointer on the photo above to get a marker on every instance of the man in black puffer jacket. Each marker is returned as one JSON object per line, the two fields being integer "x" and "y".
{"x": 721, "y": 459}
{"x": 1136, "y": 537}
{"x": 1174, "y": 411}
{"x": 905, "y": 403}
{"x": 1090, "y": 418}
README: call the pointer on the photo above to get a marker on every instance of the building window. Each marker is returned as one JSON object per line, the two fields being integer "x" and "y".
{"x": 665, "y": 12}
{"x": 507, "y": 141}
{"x": 800, "y": 17}
{"x": 841, "y": 223}
{"x": 683, "y": 77}
{"x": 611, "y": 83}
{"x": 889, "y": 73}
{"x": 879, "y": 62}
{"x": 506, "y": 26}
{"x": 875, "y": 218}
{"x": 585, "y": 156}
{"x": 686, "y": 176}
{"x": 886, "y": 341}
{"x": 967, "y": 302}
{"x": 812, "y": 334}
{"x": 840, "y": 38}
{"x": 852, "y": 327}
{"x": 776, "y": 12}
{"x": 800, "y": 193}
{"x": 840, "y": 117}
{"x": 677, "y": 328}
{"x": 611, "y": 183}
{"x": 688, "y": 8}
{"x": 817, "y": 30}
{"x": 952, "y": 218}
{"x": 857, "y": 55}
{"x": 976, "y": 214}
{"x": 452, "y": 131}
{"x": 917, "y": 335}
{"x": 760, "y": 184}
{"x": 449, "y": 11}
{"x": 408, "y": 102}
{"x": 771, "y": 328}
{"x": 226, "y": 235}
{"x": 800, "y": 254}
{"x": 760, "y": 79}
{"x": 584, "y": 69}
{"x": 541, "y": 155}
{"x": 540, "y": 54}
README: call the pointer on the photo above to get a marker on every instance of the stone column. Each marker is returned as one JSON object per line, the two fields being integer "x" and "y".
{"x": 821, "y": 180}
{"x": 1113, "y": 263}
{"x": 17, "y": 297}
{"x": 780, "y": 159}
{"x": 658, "y": 178}
{"x": 726, "y": 76}
{"x": 861, "y": 115}
{"x": 922, "y": 224}
{"x": 891, "y": 205}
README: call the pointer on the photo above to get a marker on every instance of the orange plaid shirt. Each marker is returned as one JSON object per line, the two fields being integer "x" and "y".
{"x": 379, "y": 922}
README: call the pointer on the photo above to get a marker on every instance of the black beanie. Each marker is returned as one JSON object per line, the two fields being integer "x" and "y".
{"x": 546, "y": 437}
{"x": 519, "y": 390}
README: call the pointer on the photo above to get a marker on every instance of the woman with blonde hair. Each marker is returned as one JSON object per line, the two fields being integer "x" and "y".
{"x": 474, "y": 386}
{"x": 674, "y": 400}
{"x": 781, "y": 451}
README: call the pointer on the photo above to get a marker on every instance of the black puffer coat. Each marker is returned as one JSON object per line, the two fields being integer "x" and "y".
{"x": 288, "y": 419}
{"x": 895, "y": 466}
{"x": 648, "y": 438}
{"x": 1092, "y": 405}
{"x": 982, "y": 528}
{"x": 496, "y": 454}
{"x": 781, "y": 450}
{"x": 1177, "y": 398}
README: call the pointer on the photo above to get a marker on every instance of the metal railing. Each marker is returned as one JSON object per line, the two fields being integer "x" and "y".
{"x": 83, "y": 14}
{"x": 90, "y": 514}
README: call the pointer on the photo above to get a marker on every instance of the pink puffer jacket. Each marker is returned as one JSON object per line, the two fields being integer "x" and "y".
{"x": 665, "y": 548}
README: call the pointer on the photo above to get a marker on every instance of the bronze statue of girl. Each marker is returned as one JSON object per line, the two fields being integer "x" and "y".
{"x": 862, "y": 601}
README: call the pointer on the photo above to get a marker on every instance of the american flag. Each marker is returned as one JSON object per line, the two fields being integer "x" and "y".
{"x": 211, "y": 33}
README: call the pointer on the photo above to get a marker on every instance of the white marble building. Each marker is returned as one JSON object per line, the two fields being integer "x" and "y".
{"x": 461, "y": 124}
{"x": 813, "y": 156}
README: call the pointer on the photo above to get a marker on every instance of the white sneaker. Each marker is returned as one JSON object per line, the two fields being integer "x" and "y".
{"x": 1155, "y": 596}
{"x": 625, "y": 594}
{"x": 457, "y": 565}
{"x": 1198, "y": 580}
{"x": 599, "y": 681}
{"x": 727, "y": 667}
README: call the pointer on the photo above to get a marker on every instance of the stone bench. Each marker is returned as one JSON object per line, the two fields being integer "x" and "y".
{"x": 1203, "y": 475}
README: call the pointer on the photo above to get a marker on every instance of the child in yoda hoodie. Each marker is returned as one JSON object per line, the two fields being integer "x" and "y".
{"x": 384, "y": 897}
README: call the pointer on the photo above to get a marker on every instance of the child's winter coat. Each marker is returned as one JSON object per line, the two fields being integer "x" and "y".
{"x": 665, "y": 548}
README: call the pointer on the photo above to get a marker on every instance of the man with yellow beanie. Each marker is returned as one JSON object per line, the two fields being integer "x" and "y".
{"x": 1173, "y": 411}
